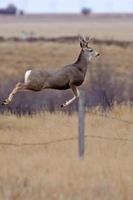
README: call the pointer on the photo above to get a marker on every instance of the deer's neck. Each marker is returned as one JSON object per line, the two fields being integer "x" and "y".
{"x": 82, "y": 62}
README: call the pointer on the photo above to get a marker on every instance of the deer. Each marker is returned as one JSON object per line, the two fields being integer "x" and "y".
{"x": 68, "y": 77}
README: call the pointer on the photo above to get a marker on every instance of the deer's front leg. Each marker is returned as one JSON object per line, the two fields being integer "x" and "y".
{"x": 18, "y": 87}
{"x": 76, "y": 95}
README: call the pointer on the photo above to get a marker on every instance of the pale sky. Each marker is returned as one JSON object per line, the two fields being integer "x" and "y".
{"x": 69, "y": 6}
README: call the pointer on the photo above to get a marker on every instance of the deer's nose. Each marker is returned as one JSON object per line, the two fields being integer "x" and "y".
{"x": 98, "y": 54}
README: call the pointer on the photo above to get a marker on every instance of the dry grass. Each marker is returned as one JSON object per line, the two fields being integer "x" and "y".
{"x": 15, "y": 58}
{"x": 54, "y": 171}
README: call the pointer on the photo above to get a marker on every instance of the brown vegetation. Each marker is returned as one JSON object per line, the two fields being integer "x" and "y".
{"x": 39, "y": 153}
{"x": 45, "y": 164}
{"x": 109, "y": 77}
{"x": 15, "y": 58}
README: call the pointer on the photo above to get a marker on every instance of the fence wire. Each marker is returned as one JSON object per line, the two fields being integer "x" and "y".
{"x": 111, "y": 117}
{"x": 98, "y": 137}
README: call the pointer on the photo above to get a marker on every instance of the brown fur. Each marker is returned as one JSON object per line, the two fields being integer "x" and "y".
{"x": 70, "y": 76}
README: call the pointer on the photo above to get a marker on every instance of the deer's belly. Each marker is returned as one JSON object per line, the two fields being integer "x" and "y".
{"x": 35, "y": 87}
{"x": 77, "y": 82}
{"x": 61, "y": 87}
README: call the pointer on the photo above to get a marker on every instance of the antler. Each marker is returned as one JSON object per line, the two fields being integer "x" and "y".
{"x": 84, "y": 41}
{"x": 88, "y": 39}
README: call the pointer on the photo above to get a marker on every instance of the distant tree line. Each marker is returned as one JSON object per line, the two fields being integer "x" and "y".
{"x": 11, "y": 9}
{"x": 86, "y": 11}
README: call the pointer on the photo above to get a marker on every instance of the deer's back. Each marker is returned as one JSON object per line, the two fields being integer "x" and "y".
{"x": 63, "y": 78}
{"x": 56, "y": 79}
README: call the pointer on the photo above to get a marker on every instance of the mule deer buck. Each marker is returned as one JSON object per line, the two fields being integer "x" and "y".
{"x": 70, "y": 76}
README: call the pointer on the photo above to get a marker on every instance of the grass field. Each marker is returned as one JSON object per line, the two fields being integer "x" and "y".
{"x": 15, "y": 58}
{"x": 39, "y": 153}
{"x": 52, "y": 170}
{"x": 100, "y": 26}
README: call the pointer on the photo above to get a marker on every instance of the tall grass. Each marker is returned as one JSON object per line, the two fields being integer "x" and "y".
{"x": 38, "y": 150}
{"x": 49, "y": 167}
{"x": 109, "y": 77}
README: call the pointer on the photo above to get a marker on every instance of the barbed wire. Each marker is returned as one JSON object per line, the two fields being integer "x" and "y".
{"x": 76, "y": 138}
{"x": 112, "y": 117}
{"x": 65, "y": 140}
{"x": 39, "y": 143}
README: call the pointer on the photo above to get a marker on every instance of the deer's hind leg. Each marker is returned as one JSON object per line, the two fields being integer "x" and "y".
{"x": 18, "y": 87}
{"x": 76, "y": 95}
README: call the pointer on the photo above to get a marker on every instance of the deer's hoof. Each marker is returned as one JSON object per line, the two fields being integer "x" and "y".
{"x": 2, "y": 104}
{"x": 5, "y": 102}
{"x": 63, "y": 105}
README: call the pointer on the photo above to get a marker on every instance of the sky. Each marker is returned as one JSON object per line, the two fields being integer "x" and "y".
{"x": 70, "y": 6}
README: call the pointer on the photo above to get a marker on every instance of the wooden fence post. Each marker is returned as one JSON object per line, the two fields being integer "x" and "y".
{"x": 81, "y": 124}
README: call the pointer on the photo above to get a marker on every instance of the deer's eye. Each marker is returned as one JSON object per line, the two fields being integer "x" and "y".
{"x": 90, "y": 50}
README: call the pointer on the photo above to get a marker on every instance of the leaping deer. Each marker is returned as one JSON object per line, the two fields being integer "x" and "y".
{"x": 70, "y": 76}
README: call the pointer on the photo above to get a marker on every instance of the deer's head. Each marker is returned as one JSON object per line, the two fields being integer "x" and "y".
{"x": 88, "y": 51}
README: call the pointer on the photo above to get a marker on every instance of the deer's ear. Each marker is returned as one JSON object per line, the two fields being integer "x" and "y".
{"x": 81, "y": 45}
{"x": 81, "y": 38}
{"x": 88, "y": 39}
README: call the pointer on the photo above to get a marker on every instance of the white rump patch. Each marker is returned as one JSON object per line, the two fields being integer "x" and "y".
{"x": 27, "y": 73}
